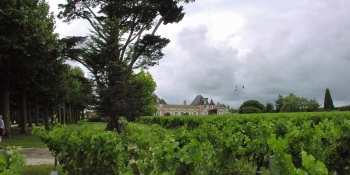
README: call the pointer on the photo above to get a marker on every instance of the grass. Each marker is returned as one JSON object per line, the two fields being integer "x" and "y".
{"x": 43, "y": 169}
{"x": 25, "y": 140}
{"x": 92, "y": 125}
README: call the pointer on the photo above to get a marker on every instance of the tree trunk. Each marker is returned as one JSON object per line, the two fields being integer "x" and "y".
{"x": 69, "y": 113}
{"x": 59, "y": 114}
{"x": 36, "y": 106}
{"x": 23, "y": 111}
{"x": 260, "y": 164}
{"x": 29, "y": 114}
{"x": 113, "y": 123}
{"x": 63, "y": 114}
{"x": 46, "y": 118}
{"x": 5, "y": 104}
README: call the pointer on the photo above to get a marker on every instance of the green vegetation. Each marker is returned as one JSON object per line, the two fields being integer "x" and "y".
{"x": 43, "y": 169}
{"x": 295, "y": 139}
{"x": 210, "y": 144}
{"x": 27, "y": 140}
{"x": 122, "y": 39}
{"x": 11, "y": 162}
{"x": 24, "y": 140}
{"x": 328, "y": 102}
{"x": 251, "y": 106}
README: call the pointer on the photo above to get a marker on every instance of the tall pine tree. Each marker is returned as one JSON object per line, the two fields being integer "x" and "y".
{"x": 328, "y": 102}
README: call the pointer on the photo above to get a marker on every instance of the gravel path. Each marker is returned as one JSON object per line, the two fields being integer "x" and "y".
{"x": 37, "y": 156}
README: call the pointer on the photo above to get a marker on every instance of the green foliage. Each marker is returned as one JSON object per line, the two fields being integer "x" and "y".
{"x": 232, "y": 110}
{"x": 279, "y": 103}
{"x": 122, "y": 39}
{"x": 213, "y": 112}
{"x": 292, "y": 103}
{"x": 79, "y": 88}
{"x": 297, "y": 132}
{"x": 43, "y": 169}
{"x": 251, "y": 106}
{"x": 301, "y": 143}
{"x": 328, "y": 102}
{"x": 344, "y": 108}
{"x": 167, "y": 114}
{"x": 11, "y": 162}
{"x": 269, "y": 107}
{"x": 313, "y": 105}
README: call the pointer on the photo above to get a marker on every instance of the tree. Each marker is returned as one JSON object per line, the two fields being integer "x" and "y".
{"x": 119, "y": 43}
{"x": 251, "y": 106}
{"x": 269, "y": 107}
{"x": 213, "y": 111}
{"x": 328, "y": 102}
{"x": 291, "y": 103}
{"x": 313, "y": 105}
{"x": 233, "y": 111}
{"x": 27, "y": 41}
{"x": 279, "y": 103}
{"x": 140, "y": 101}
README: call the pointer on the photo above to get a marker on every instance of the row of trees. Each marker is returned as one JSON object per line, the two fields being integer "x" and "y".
{"x": 33, "y": 76}
{"x": 290, "y": 103}
{"x": 123, "y": 41}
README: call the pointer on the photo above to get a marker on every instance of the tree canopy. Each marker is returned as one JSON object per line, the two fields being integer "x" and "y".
{"x": 328, "y": 102}
{"x": 122, "y": 39}
{"x": 251, "y": 106}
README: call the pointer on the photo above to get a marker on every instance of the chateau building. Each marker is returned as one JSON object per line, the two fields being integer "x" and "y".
{"x": 199, "y": 106}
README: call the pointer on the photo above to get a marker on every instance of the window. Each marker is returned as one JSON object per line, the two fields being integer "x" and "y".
{"x": 205, "y": 106}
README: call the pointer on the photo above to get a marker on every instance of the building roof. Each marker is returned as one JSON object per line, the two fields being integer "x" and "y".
{"x": 211, "y": 102}
{"x": 179, "y": 106}
{"x": 198, "y": 100}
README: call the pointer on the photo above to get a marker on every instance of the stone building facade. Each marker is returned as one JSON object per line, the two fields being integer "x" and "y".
{"x": 199, "y": 106}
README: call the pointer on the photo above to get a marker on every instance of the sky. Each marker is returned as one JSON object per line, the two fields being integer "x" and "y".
{"x": 270, "y": 47}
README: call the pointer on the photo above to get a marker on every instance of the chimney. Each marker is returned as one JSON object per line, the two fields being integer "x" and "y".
{"x": 185, "y": 102}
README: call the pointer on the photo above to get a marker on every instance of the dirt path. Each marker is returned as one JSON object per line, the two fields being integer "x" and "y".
{"x": 37, "y": 156}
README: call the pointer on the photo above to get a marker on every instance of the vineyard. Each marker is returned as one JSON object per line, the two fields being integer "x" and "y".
{"x": 281, "y": 143}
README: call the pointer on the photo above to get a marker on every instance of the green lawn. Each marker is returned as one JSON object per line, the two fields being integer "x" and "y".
{"x": 43, "y": 169}
{"x": 92, "y": 125}
{"x": 25, "y": 140}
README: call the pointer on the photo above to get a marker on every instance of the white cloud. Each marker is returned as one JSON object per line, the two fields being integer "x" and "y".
{"x": 271, "y": 47}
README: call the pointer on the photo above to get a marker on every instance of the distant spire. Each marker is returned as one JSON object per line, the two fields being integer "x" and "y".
{"x": 211, "y": 102}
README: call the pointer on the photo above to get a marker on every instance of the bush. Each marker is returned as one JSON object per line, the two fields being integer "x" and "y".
{"x": 43, "y": 169}
{"x": 251, "y": 106}
{"x": 11, "y": 162}
{"x": 250, "y": 110}
{"x": 95, "y": 119}
{"x": 344, "y": 108}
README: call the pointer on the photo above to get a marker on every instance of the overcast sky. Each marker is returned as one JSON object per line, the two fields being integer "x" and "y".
{"x": 270, "y": 47}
